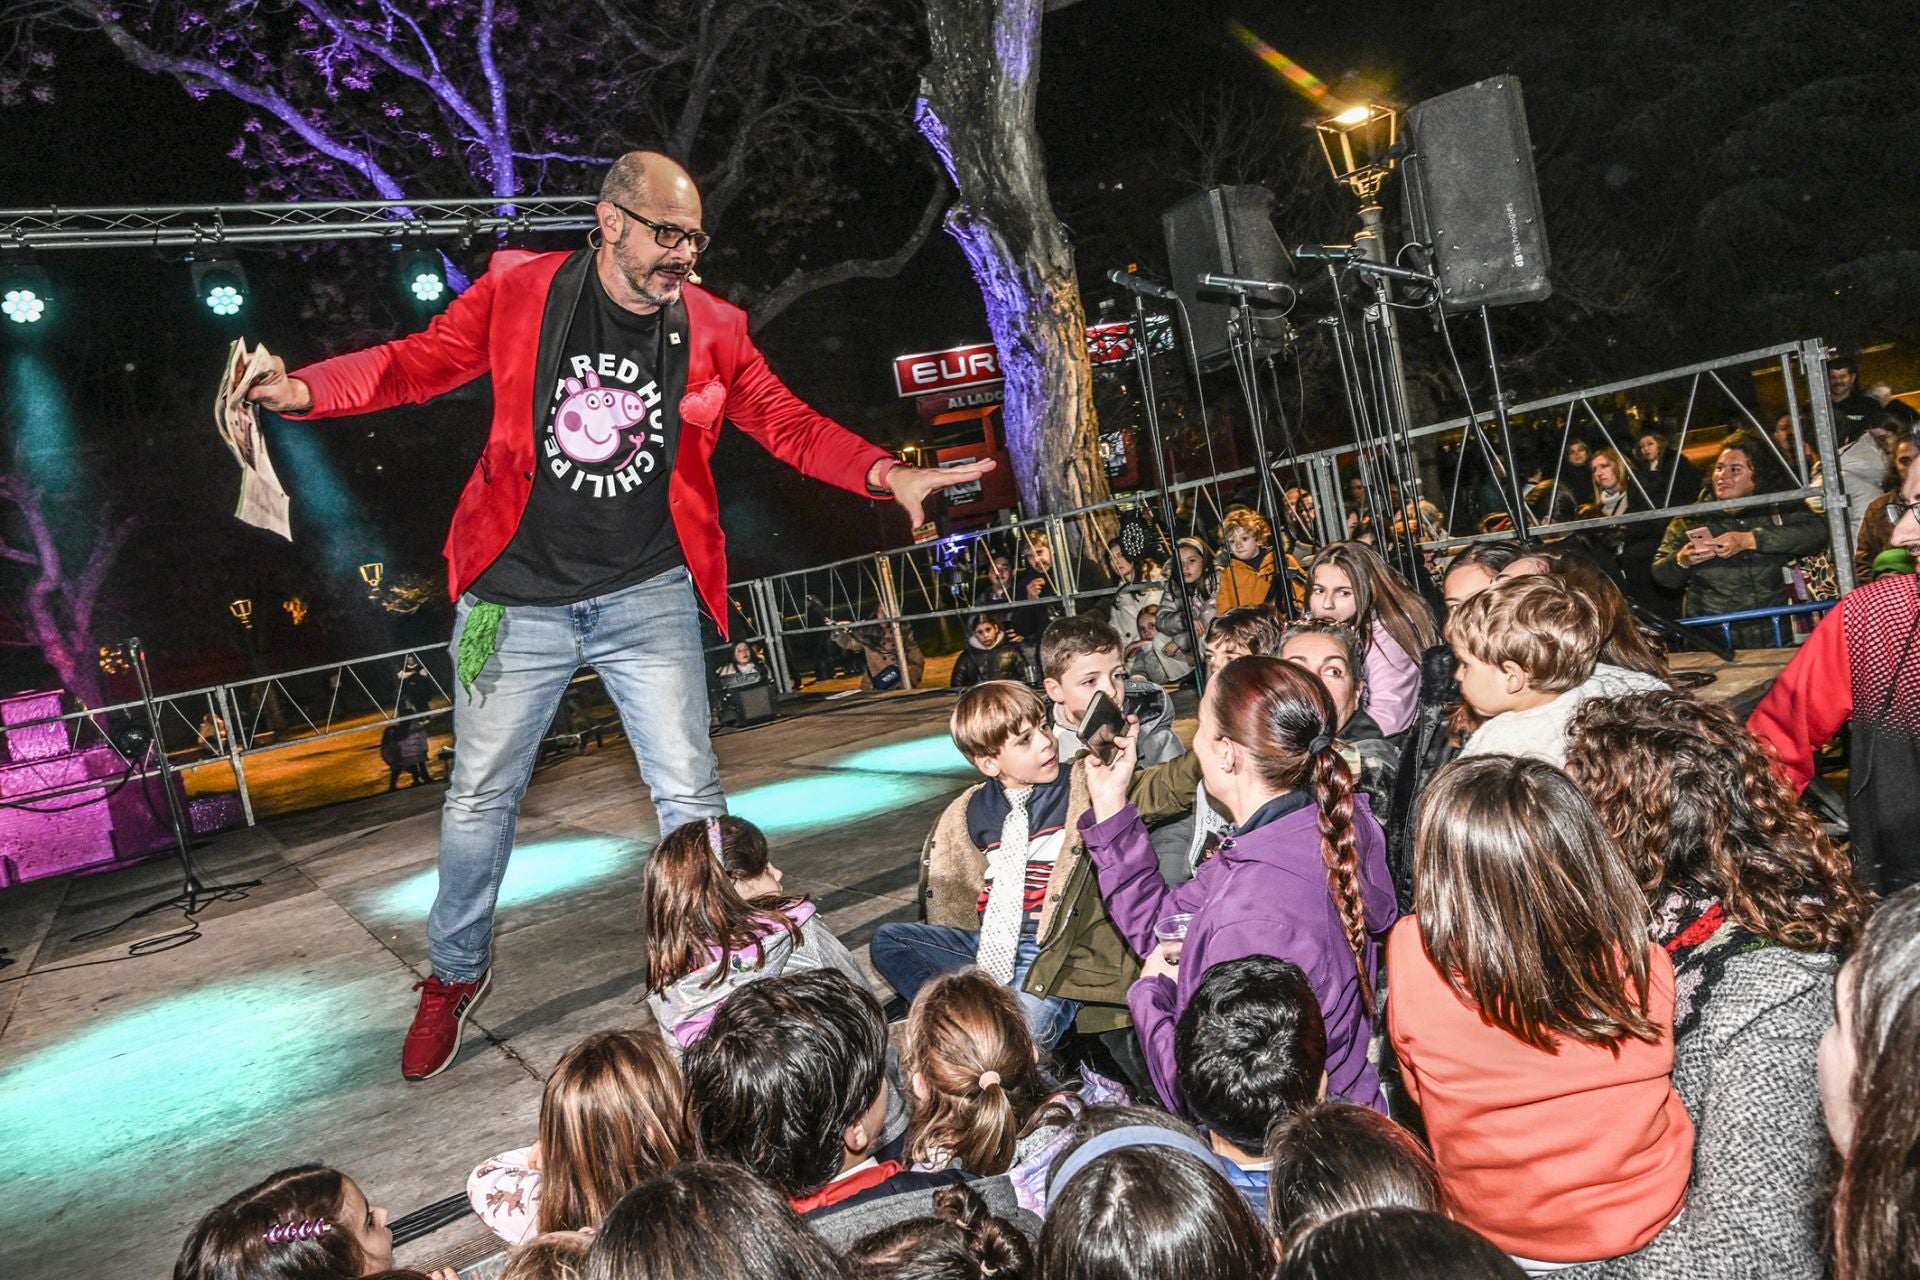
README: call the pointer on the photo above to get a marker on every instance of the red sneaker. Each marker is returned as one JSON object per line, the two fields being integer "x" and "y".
{"x": 434, "y": 1037}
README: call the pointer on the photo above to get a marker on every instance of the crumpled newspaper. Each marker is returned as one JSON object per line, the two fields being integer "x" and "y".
{"x": 263, "y": 502}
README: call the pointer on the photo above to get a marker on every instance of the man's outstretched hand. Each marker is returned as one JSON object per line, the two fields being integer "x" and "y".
{"x": 912, "y": 486}
{"x": 280, "y": 393}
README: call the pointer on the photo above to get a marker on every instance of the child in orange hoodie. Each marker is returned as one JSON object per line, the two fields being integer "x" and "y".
{"x": 1533, "y": 1019}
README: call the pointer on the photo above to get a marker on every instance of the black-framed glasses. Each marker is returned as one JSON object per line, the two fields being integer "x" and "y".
{"x": 665, "y": 234}
{"x": 1898, "y": 511}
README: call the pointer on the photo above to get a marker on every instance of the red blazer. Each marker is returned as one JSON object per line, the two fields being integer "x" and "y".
{"x": 497, "y": 326}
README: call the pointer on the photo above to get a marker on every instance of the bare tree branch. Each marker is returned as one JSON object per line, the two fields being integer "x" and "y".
{"x": 800, "y": 283}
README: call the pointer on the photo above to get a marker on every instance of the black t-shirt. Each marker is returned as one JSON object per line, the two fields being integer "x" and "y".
{"x": 597, "y": 519}
{"x": 1854, "y": 415}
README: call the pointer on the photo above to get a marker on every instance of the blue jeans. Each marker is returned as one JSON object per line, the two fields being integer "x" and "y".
{"x": 645, "y": 643}
{"x": 911, "y": 955}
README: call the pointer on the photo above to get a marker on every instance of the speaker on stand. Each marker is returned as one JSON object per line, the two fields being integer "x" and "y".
{"x": 1472, "y": 197}
{"x": 1228, "y": 231}
{"x": 1225, "y": 231}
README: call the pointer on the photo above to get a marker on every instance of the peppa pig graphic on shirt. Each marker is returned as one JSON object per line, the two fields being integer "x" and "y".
{"x": 605, "y": 436}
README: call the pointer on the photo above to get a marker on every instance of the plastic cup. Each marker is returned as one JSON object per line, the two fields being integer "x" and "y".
{"x": 1171, "y": 933}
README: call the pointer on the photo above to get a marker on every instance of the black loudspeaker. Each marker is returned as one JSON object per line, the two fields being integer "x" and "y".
{"x": 1471, "y": 194}
{"x": 1225, "y": 231}
{"x": 757, "y": 704}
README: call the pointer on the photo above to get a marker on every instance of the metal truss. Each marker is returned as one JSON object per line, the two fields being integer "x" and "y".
{"x": 203, "y": 225}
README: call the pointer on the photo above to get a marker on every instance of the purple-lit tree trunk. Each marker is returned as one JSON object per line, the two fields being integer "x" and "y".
{"x": 976, "y": 110}
{"x": 57, "y": 613}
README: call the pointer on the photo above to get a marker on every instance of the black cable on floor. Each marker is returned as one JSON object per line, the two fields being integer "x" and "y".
{"x": 430, "y": 1218}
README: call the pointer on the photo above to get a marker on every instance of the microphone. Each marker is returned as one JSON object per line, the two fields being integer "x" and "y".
{"x": 1146, "y": 288}
{"x": 1210, "y": 281}
{"x": 1324, "y": 252}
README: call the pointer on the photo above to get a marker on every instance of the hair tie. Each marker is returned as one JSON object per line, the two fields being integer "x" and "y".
{"x": 1320, "y": 743}
{"x": 715, "y": 842}
{"x": 989, "y": 1078}
{"x": 305, "y": 1229}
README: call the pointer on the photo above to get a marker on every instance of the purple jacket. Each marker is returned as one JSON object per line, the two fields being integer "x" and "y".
{"x": 1264, "y": 893}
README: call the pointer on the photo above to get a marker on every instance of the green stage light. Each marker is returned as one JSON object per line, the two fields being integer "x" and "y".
{"x": 224, "y": 300}
{"x": 25, "y": 295}
{"x": 23, "y": 306}
{"x": 424, "y": 278}
{"x": 427, "y": 287}
{"x": 221, "y": 285}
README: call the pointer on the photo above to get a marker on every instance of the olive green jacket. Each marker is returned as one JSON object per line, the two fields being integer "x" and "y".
{"x": 1082, "y": 955}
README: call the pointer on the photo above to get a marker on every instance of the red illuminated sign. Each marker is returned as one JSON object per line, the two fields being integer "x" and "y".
{"x": 979, "y": 365}
{"x": 950, "y": 370}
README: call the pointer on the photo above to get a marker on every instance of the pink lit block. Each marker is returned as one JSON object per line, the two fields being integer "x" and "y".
{"x": 39, "y": 741}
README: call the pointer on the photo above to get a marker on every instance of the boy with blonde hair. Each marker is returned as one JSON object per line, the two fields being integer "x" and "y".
{"x": 1528, "y": 655}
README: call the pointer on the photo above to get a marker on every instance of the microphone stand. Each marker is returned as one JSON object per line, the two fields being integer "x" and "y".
{"x": 1243, "y": 347}
{"x": 1143, "y": 359}
{"x": 195, "y": 895}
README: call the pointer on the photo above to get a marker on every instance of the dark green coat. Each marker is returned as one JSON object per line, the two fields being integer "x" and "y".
{"x": 1751, "y": 580}
{"x": 1082, "y": 955}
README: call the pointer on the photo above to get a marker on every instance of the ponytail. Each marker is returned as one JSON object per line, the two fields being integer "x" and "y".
{"x": 1333, "y": 796}
{"x": 690, "y": 907}
{"x": 1285, "y": 718}
{"x": 972, "y": 1052}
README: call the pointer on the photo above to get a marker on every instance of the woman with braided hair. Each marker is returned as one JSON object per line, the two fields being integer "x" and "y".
{"x": 1301, "y": 874}
{"x": 304, "y": 1223}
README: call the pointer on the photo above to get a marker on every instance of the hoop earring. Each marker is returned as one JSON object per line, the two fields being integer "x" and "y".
{"x": 593, "y": 238}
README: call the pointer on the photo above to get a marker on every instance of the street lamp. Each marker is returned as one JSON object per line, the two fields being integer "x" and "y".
{"x": 242, "y": 609}
{"x": 371, "y": 573}
{"x": 1358, "y": 144}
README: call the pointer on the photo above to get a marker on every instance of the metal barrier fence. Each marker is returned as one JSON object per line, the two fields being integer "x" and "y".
{"x": 956, "y": 576}
{"x": 877, "y": 597}
{"x": 1777, "y": 616}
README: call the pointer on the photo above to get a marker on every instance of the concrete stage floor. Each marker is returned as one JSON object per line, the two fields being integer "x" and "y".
{"x": 135, "y": 1093}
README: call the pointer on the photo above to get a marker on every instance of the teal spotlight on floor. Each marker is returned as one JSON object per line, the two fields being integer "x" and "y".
{"x": 25, "y": 294}
{"x": 221, "y": 285}
{"x": 424, "y": 278}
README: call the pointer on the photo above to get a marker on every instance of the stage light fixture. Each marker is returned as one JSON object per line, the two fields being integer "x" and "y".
{"x": 424, "y": 278}
{"x": 25, "y": 295}
{"x": 1358, "y": 144}
{"x": 220, "y": 282}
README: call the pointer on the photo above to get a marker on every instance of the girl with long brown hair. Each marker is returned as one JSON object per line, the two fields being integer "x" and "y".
{"x": 1301, "y": 875}
{"x": 717, "y": 918}
{"x": 1533, "y": 1019}
{"x": 613, "y": 1115}
{"x": 1354, "y": 586}
{"x": 1752, "y": 903}
{"x": 978, "y": 1098}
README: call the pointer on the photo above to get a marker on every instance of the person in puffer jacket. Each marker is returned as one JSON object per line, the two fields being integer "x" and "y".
{"x": 717, "y": 920}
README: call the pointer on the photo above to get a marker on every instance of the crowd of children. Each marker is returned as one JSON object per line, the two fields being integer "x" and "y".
{"x": 1474, "y": 950}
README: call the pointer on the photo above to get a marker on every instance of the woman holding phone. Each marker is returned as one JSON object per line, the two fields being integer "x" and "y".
{"x": 1301, "y": 874}
{"x": 1730, "y": 561}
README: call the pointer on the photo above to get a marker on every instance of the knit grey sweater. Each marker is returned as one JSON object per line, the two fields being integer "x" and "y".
{"x": 1745, "y": 1068}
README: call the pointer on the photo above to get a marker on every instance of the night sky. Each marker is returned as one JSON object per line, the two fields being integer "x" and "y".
{"x": 1629, "y": 101}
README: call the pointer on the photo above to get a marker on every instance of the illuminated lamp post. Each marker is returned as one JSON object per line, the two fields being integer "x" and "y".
{"x": 1358, "y": 144}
